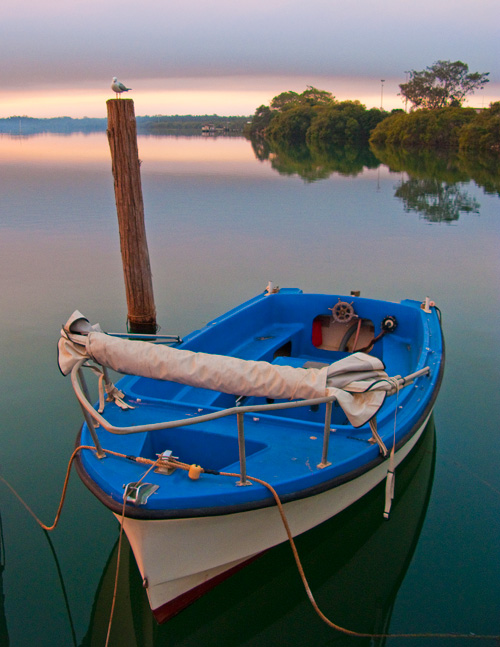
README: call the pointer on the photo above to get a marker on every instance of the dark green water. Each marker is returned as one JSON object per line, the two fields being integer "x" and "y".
{"x": 221, "y": 224}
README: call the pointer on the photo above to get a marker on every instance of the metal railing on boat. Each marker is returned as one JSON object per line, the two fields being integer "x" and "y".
{"x": 91, "y": 414}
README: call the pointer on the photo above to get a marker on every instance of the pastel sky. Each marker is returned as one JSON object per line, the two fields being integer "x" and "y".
{"x": 229, "y": 57}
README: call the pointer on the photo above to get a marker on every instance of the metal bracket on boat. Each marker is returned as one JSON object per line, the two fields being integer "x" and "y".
{"x": 271, "y": 288}
{"x": 241, "y": 448}
{"x": 326, "y": 436}
{"x": 138, "y": 493}
{"x": 427, "y": 305}
{"x": 240, "y": 400}
{"x": 164, "y": 464}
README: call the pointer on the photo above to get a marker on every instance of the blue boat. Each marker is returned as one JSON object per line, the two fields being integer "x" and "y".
{"x": 309, "y": 399}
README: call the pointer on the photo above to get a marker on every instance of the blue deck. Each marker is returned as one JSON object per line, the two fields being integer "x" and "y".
{"x": 283, "y": 447}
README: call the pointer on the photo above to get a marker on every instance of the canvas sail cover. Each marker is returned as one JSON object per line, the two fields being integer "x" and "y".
{"x": 350, "y": 380}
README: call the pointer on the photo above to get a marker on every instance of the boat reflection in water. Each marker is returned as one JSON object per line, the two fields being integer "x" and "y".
{"x": 355, "y": 564}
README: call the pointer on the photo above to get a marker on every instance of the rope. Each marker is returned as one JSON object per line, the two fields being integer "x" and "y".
{"x": 391, "y": 476}
{"x": 310, "y": 595}
{"x": 300, "y": 568}
{"x": 357, "y": 335}
{"x": 117, "y": 573}
{"x": 63, "y": 495}
{"x": 137, "y": 459}
{"x": 122, "y": 518}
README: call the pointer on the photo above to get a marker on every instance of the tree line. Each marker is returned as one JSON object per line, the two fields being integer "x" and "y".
{"x": 314, "y": 118}
{"x": 157, "y": 124}
{"x": 462, "y": 129}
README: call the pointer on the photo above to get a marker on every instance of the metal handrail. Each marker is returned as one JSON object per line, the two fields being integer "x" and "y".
{"x": 156, "y": 426}
{"x": 91, "y": 415}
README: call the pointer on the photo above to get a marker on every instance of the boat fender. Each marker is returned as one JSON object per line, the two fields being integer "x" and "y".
{"x": 389, "y": 492}
{"x": 194, "y": 472}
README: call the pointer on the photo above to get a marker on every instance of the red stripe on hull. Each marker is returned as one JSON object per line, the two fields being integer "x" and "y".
{"x": 175, "y": 606}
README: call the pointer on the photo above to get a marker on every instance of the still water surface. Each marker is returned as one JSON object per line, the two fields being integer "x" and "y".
{"x": 220, "y": 225}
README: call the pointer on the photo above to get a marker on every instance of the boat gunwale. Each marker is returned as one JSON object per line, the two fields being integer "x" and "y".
{"x": 146, "y": 514}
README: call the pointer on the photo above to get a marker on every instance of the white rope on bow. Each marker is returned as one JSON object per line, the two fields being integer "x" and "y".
{"x": 391, "y": 475}
{"x": 113, "y": 394}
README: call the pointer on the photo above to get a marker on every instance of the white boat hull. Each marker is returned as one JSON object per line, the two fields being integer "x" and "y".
{"x": 179, "y": 559}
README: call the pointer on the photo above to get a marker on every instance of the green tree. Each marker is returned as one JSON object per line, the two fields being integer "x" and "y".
{"x": 313, "y": 117}
{"x": 285, "y": 100}
{"x": 341, "y": 123}
{"x": 291, "y": 125}
{"x": 310, "y": 97}
{"x": 260, "y": 121}
{"x": 314, "y": 97}
{"x": 483, "y": 134}
{"x": 443, "y": 84}
{"x": 423, "y": 128}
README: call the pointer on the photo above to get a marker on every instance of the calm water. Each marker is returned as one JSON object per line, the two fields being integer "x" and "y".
{"x": 221, "y": 224}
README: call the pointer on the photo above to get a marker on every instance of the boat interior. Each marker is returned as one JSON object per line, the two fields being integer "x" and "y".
{"x": 313, "y": 336}
{"x": 320, "y": 332}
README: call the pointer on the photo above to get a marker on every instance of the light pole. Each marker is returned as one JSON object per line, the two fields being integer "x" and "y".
{"x": 406, "y": 81}
{"x": 382, "y": 81}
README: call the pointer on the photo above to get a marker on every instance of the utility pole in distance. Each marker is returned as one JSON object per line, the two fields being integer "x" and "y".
{"x": 122, "y": 138}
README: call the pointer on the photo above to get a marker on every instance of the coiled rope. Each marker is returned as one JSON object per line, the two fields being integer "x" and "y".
{"x": 178, "y": 464}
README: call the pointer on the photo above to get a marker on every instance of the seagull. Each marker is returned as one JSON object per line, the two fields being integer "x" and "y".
{"x": 118, "y": 87}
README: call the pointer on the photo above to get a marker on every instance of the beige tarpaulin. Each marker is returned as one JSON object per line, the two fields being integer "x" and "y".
{"x": 349, "y": 379}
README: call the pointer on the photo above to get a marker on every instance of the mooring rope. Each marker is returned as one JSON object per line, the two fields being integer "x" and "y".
{"x": 120, "y": 537}
{"x": 314, "y": 604}
{"x": 178, "y": 464}
{"x": 63, "y": 495}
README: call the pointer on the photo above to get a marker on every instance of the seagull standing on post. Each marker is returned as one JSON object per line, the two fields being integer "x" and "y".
{"x": 118, "y": 87}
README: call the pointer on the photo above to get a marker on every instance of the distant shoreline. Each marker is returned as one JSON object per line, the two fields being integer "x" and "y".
{"x": 158, "y": 124}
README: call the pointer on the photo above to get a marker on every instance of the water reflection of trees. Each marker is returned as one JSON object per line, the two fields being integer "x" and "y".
{"x": 312, "y": 164}
{"x": 435, "y": 184}
{"x": 434, "y": 187}
{"x": 446, "y": 166}
{"x": 484, "y": 170}
{"x": 437, "y": 201}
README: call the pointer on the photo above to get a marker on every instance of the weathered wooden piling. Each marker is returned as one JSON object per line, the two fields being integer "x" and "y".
{"x": 122, "y": 138}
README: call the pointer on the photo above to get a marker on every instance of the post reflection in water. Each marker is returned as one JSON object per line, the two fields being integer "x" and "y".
{"x": 355, "y": 564}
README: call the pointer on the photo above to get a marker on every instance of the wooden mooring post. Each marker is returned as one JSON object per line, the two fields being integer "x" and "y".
{"x": 122, "y": 138}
